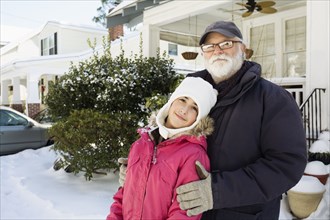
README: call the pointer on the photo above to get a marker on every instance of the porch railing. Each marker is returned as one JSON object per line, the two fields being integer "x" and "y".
{"x": 297, "y": 91}
{"x": 311, "y": 113}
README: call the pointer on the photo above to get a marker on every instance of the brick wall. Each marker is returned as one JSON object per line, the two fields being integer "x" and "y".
{"x": 116, "y": 32}
{"x": 17, "y": 107}
{"x": 33, "y": 108}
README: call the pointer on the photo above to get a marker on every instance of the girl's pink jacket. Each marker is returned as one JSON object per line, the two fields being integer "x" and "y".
{"x": 155, "y": 171}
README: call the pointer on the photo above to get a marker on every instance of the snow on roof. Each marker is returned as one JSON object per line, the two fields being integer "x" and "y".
{"x": 35, "y": 32}
{"x": 121, "y": 6}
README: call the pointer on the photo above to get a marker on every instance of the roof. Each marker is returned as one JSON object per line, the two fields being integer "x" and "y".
{"x": 33, "y": 33}
{"x": 57, "y": 63}
{"x": 127, "y": 10}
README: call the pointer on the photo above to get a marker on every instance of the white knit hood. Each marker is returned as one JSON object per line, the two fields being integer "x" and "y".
{"x": 198, "y": 90}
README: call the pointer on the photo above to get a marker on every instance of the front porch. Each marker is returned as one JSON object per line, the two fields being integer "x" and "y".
{"x": 24, "y": 83}
{"x": 25, "y": 93}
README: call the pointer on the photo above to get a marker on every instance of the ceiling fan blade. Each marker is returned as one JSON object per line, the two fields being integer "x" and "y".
{"x": 246, "y": 14}
{"x": 242, "y": 4}
{"x": 240, "y": 9}
{"x": 265, "y": 4}
{"x": 268, "y": 10}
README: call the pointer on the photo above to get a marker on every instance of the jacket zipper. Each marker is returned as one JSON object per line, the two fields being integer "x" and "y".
{"x": 155, "y": 142}
{"x": 154, "y": 156}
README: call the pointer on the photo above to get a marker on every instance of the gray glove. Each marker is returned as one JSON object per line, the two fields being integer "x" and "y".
{"x": 122, "y": 170}
{"x": 196, "y": 197}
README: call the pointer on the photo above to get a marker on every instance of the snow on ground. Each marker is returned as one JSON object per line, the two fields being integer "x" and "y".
{"x": 31, "y": 189}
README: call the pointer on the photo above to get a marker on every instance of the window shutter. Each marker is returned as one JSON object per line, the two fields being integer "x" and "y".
{"x": 42, "y": 48}
{"x": 55, "y": 42}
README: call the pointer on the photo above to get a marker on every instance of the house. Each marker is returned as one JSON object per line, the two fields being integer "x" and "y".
{"x": 290, "y": 41}
{"x": 41, "y": 56}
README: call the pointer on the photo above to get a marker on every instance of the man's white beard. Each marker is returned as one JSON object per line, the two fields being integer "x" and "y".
{"x": 222, "y": 70}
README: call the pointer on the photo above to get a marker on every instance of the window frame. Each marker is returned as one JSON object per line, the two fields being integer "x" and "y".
{"x": 48, "y": 45}
{"x": 279, "y": 19}
{"x": 20, "y": 121}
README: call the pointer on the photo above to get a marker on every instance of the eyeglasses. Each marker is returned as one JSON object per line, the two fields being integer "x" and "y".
{"x": 223, "y": 45}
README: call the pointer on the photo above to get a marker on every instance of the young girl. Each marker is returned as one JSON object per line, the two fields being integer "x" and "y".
{"x": 163, "y": 158}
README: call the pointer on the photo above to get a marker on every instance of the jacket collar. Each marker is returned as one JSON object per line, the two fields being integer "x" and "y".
{"x": 203, "y": 128}
{"x": 238, "y": 84}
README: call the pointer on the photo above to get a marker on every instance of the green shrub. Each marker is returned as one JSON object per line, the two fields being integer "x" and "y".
{"x": 121, "y": 93}
{"x": 90, "y": 141}
{"x": 324, "y": 157}
{"x": 109, "y": 84}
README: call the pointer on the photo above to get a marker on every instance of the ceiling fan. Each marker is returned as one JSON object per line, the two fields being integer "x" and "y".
{"x": 263, "y": 7}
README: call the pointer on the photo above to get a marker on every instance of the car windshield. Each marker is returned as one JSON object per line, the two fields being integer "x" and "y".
{"x": 8, "y": 118}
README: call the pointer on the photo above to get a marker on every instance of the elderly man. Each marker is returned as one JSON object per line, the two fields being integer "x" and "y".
{"x": 258, "y": 148}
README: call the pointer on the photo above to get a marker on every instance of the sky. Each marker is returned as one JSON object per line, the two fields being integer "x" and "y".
{"x": 32, "y": 14}
{"x": 32, "y": 189}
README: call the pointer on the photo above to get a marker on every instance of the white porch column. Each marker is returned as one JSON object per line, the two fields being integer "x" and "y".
{"x": 317, "y": 58}
{"x": 16, "y": 91}
{"x": 32, "y": 89}
{"x": 16, "y": 102}
{"x": 151, "y": 37}
{"x": 32, "y": 99}
{"x": 4, "y": 92}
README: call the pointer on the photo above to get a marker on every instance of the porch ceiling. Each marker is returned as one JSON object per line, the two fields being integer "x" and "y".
{"x": 185, "y": 26}
{"x": 206, "y": 11}
{"x": 182, "y": 39}
{"x": 194, "y": 23}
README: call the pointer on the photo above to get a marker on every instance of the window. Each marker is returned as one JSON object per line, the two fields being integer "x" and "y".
{"x": 279, "y": 45}
{"x": 263, "y": 44}
{"x": 49, "y": 45}
{"x": 294, "y": 55}
{"x": 173, "y": 49}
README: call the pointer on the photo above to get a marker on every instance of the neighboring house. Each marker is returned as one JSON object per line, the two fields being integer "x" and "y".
{"x": 41, "y": 56}
{"x": 292, "y": 45}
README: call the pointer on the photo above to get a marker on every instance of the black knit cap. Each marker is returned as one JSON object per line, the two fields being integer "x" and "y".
{"x": 226, "y": 28}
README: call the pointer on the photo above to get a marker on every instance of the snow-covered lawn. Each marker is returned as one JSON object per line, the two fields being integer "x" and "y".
{"x": 31, "y": 189}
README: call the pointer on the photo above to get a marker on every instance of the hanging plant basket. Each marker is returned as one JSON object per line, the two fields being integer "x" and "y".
{"x": 189, "y": 55}
{"x": 248, "y": 53}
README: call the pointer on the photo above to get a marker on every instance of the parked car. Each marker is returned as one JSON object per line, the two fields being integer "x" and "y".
{"x": 43, "y": 117}
{"x": 19, "y": 132}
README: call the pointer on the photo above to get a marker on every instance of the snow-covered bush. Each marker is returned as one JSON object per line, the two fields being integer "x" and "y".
{"x": 124, "y": 90}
